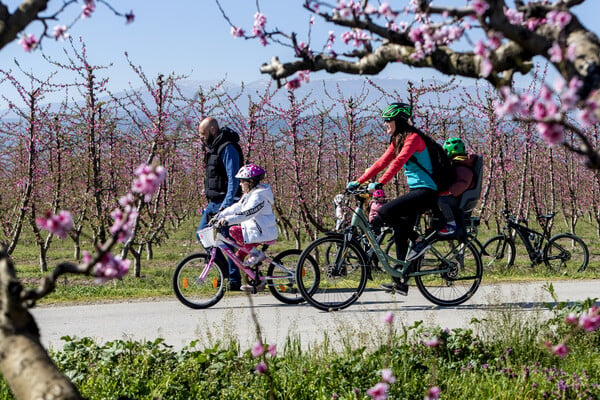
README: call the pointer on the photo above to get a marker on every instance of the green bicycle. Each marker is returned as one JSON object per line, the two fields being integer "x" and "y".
{"x": 333, "y": 270}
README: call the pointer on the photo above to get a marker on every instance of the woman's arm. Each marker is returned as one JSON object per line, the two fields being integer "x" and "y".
{"x": 413, "y": 143}
{"x": 378, "y": 165}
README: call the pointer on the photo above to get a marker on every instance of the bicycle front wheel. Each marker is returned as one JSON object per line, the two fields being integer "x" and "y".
{"x": 566, "y": 253}
{"x": 281, "y": 277}
{"x": 498, "y": 253}
{"x": 461, "y": 276}
{"x": 198, "y": 284}
{"x": 331, "y": 273}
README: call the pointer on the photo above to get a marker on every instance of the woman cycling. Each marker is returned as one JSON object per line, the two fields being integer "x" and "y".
{"x": 402, "y": 213}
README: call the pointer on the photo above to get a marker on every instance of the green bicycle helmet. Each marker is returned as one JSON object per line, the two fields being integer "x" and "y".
{"x": 455, "y": 147}
{"x": 397, "y": 111}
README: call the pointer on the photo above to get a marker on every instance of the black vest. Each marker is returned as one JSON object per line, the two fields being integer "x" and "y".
{"x": 215, "y": 180}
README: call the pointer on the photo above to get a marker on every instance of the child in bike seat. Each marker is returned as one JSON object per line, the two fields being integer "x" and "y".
{"x": 251, "y": 220}
{"x": 450, "y": 200}
{"x": 375, "y": 204}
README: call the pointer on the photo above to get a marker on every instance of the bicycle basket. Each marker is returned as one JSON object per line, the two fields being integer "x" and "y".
{"x": 207, "y": 236}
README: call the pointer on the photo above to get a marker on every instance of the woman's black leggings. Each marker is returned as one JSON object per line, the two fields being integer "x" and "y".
{"x": 402, "y": 213}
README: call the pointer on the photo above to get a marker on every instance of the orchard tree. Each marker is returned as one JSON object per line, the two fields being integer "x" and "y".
{"x": 503, "y": 38}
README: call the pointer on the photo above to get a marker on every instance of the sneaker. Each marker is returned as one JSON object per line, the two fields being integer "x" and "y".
{"x": 418, "y": 249}
{"x": 254, "y": 257}
{"x": 395, "y": 287}
{"x": 253, "y": 289}
{"x": 447, "y": 230}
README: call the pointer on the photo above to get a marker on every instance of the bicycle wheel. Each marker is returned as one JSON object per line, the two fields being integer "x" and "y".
{"x": 498, "y": 252}
{"x": 282, "y": 282}
{"x": 459, "y": 282}
{"x": 193, "y": 290}
{"x": 566, "y": 253}
{"x": 335, "y": 284}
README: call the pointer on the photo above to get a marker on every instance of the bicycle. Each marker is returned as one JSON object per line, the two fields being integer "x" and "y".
{"x": 199, "y": 279}
{"x": 332, "y": 271}
{"x": 562, "y": 252}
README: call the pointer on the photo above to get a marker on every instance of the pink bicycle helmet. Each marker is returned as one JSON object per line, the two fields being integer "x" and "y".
{"x": 251, "y": 172}
{"x": 378, "y": 193}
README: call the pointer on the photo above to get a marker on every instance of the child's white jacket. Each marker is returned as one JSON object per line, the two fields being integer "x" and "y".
{"x": 254, "y": 212}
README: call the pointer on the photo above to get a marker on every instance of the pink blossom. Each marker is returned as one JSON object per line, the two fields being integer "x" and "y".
{"x": 292, "y": 84}
{"x": 587, "y": 115}
{"x": 486, "y": 67}
{"x": 590, "y": 321}
{"x": 560, "y": 350}
{"x": 433, "y": 393}
{"x": 386, "y": 10}
{"x": 571, "y": 52}
{"x": 552, "y": 133}
{"x": 272, "y": 350}
{"x": 148, "y": 180}
{"x": 60, "y": 32}
{"x": 533, "y": 23}
{"x": 258, "y": 349}
{"x": 109, "y": 267}
{"x": 480, "y": 48}
{"x": 387, "y": 375}
{"x": 58, "y": 224}
{"x": 129, "y": 17}
{"x": 514, "y": 17}
{"x": 237, "y": 32}
{"x": 432, "y": 342}
{"x": 388, "y": 318}
{"x": 572, "y": 319}
{"x": 555, "y": 53}
{"x": 123, "y": 227}
{"x": 87, "y": 9}
{"x": 559, "y": 19}
{"x": 261, "y": 368}
{"x": 28, "y": 42}
{"x": 379, "y": 391}
{"x": 480, "y": 7}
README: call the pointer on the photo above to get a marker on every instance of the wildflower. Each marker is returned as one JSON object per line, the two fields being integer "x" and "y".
{"x": 387, "y": 375}
{"x": 388, "y": 318}
{"x": 261, "y": 368}
{"x": 271, "y": 350}
{"x": 433, "y": 393}
{"x": 258, "y": 349}
{"x": 433, "y": 342}
{"x": 560, "y": 350}
{"x": 379, "y": 391}
{"x": 590, "y": 321}
{"x": 58, "y": 224}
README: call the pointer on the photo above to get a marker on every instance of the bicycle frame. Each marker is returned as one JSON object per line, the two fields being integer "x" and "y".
{"x": 534, "y": 250}
{"x": 359, "y": 220}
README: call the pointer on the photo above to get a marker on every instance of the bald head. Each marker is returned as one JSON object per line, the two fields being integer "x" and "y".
{"x": 208, "y": 129}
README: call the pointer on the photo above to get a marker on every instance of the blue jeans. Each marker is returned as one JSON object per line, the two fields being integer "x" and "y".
{"x": 235, "y": 278}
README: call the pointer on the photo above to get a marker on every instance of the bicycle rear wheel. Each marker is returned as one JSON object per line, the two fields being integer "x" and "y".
{"x": 566, "y": 253}
{"x": 191, "y": 289}
{"x": 282, "y": 282}
{"x": 462, "y": 276}
{"x": 331, "y": 273}
{"x": 498, "y": 253}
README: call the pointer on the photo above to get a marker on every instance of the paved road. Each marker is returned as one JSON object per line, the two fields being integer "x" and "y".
{"x": 232, "y": 317}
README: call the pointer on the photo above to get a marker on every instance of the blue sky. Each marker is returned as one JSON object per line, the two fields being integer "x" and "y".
{"x": 191, "y": 37}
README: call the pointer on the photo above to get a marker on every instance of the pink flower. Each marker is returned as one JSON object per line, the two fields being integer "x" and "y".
{"x": 129, "y": 17}
{"x": 237, "y": 32}
{"x": 555, "y": 53}
{"x": 388, "y": 376}
{"x": 379, "y": 391}
{"x": 258, "y": 349}
{"x": 388, "y": 318}
{"x": 480, "y": 7}
{"x": 58, "y": 224}
{"x": 590, "y": 321}
{"x": 60, "y": 32}
{"x": 261, "y": 368}
{"x": 109, "y": 267}
{"x": 514, "y": 17}
{"x": 432, "y": 342}
{"x": 559, "y": 19}
{"x": 87, "y": 9}
{"x": 433, "y": 393}
{"x": 587, "y": 115}
{"x": 271, "y": 350}
{"x": 123, "y": 227}
{"x": 293, "y": 84}
{"x": 28, "y": 42}
{"x": 148, "y": 180}
{"x": 571, "y": 52}
{"x": 560, "y": 350}
{"x": 552, "y": 133}
{"x": 486, "y": 67}
{"x": 572, "y": 319}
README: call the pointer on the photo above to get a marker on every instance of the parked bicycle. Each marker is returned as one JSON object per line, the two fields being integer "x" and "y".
{"x": 199, "y": 279}
{"x": 563, "y": 252}
{"x": 332, "y": 271}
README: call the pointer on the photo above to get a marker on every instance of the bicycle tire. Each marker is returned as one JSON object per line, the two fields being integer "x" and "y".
{"x": 498, "y": 253}
{"x": 457, "y": 285}
{"x": 566, "y": 253}
{"x": 323, "y": 284}
{"x": 188, "y": 287}
{"x": 284, "y": 288}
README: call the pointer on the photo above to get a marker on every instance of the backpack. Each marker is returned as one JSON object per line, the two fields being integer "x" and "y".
{"x": 443, "y": 174}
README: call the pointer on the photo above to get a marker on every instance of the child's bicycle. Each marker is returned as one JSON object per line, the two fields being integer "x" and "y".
{"x": 332, "y": 271}
{"x": 563, "y": 252}
{"x": 199, "y": 279}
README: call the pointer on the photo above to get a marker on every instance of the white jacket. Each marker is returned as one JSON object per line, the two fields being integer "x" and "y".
{"x": 254, "y": 212}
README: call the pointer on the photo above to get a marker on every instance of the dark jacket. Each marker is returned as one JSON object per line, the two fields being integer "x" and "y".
{"x": 464, "y": 175}
{"x": 215, "y": 181}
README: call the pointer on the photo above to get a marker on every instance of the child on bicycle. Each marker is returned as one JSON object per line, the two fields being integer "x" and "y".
{"x": 375, "y": 204}
{"x": 251, "y": 220}
{"x": 450, "y": 200}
